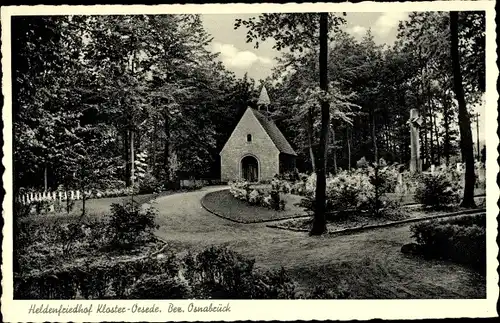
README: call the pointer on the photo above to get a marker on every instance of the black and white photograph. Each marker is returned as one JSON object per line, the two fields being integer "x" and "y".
{"x": 317, "y": 155}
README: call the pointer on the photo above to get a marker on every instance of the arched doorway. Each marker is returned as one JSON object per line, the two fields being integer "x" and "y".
{"x": 250, "y": 169}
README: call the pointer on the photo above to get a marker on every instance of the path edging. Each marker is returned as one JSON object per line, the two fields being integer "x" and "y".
{"x": 388, "y": 224}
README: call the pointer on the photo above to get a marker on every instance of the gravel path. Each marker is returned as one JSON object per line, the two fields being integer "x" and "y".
{"x": 368, "y": 264}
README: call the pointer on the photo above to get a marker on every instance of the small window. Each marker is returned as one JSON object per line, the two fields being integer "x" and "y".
{"x": 249, "y": 138}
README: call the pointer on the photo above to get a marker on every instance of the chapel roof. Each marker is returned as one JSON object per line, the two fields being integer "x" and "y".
{"x": 274, "y": 133}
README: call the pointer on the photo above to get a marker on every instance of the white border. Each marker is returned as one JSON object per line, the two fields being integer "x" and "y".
{"x": 255, "y": 309}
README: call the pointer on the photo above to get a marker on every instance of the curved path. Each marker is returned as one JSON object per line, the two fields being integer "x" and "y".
{"x": 369, "y": 264}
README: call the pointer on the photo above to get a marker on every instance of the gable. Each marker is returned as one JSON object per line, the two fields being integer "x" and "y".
{"x": 249, "y": 125}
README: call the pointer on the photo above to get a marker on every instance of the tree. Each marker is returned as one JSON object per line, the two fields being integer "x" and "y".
{"x": 319, "y": 222}
{"x": 149, "y": 80}
{"x": 428, "y": 34}
{"x": 466, "y": 145}
{"x": 299, "y": 32}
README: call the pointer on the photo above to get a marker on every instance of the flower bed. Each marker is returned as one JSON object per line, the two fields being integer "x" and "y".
{"x": 351, "y": 220}
{"x": 261, "y": 196}
{"x": 397, "y": 182}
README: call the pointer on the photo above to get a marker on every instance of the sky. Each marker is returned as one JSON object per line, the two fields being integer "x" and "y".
{"x": 241, "y": 57}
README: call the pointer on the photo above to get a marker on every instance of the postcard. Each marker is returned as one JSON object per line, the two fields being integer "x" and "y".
{"x": 249, "y": 162}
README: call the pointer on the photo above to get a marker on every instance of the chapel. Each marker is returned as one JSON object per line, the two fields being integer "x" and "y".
{"x": 256, "y": 150}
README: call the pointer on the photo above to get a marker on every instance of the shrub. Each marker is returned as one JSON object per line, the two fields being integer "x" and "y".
{"x": 322, "y": 292}
{"x": 362, "y": 163}
{"x": 240, "y": 190}
{"x": 388, "y": 178}
{"x": 280, "y": 186}
{"x": 22, "y": 210}
{"x": 467, "y": 220}
{"x": 219, "y": 273}
{"x": 41, "y": 207}
{"x": 344, "y": 191}
{"x": 97, "y": 278}
{"x": 436, "y": 191}
{"x": 129, "y": 224}
{"x": 149, "y": 184}
{"x": 161, "y": 287}
{"x": 216, "y": 273}
{"x": 461, "y": 240}
{"x": 244, "y": 192}
{"x": 43, "y": 241}
{"x": 223, "y": 274}
{"x": 347, "y": 191}
{"x": 363, "y": 190}
{"x": 275, "y": 284}
{"x": 255, "y": 197}
{"x": 298, "y": 188}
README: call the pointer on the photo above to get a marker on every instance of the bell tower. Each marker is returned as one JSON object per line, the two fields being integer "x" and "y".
{"x": 264, "y": 101}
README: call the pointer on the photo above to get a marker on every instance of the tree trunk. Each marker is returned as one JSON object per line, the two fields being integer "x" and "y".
{"x": 477, "y": 138}
{"x": 153, "y": 150}
{"x": 403, "y": 138}
{"x": 466, "y": 145}
{"x": 431, "y": 128}
{"x": 425, "y": 155}
{"x": 166, "y": 152}
{"x": 83, "y": 200}
{"x": 45, "y": 186}
{"x": 132, "y": 159}
{"x": 319, "y": 221}
{"x": 66, "y": 191}
{"x": 334, "y": 150}
{"x": 310, "y": 138}
{"x": 374, "y": 136}
{"x": 438, "y": 145}
{"x": 126, "y": 155}
{"x": 446, "y": 121}
{"x": 348, "y": 148}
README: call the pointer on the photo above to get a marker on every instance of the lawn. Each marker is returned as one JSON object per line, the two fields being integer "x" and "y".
{"x": 94, "y": 209}
{"x": 223, "y": 204}
{"x": 101, "y": 206}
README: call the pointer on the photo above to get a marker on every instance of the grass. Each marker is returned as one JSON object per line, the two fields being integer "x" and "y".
{"x": 365, "y": 265}
{"x": 97, "y": 207}
{"x": 394, "y": 278}
{"x": 225, "y": 205}
{"x": 369, "y": 265}
{"x": 103, "y": 205}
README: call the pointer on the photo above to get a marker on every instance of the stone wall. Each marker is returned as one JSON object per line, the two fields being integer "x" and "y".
{"x": 237, "y": 147}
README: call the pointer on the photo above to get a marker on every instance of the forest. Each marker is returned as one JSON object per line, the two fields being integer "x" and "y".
{"x": 93, "y": 94}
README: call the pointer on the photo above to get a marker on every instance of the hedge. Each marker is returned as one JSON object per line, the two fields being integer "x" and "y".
{"x": 462, "y": 240}
{"x": 215, "y": 273}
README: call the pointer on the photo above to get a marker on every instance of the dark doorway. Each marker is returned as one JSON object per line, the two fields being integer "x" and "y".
{"x": 250, "y": 169}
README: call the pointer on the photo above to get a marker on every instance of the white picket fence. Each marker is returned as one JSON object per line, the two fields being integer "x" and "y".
{"x": 49, "y": 196}
{"x": 61, "y": 196}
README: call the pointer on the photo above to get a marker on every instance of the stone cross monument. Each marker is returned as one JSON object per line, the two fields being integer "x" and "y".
{"x": 415, "y": 122}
